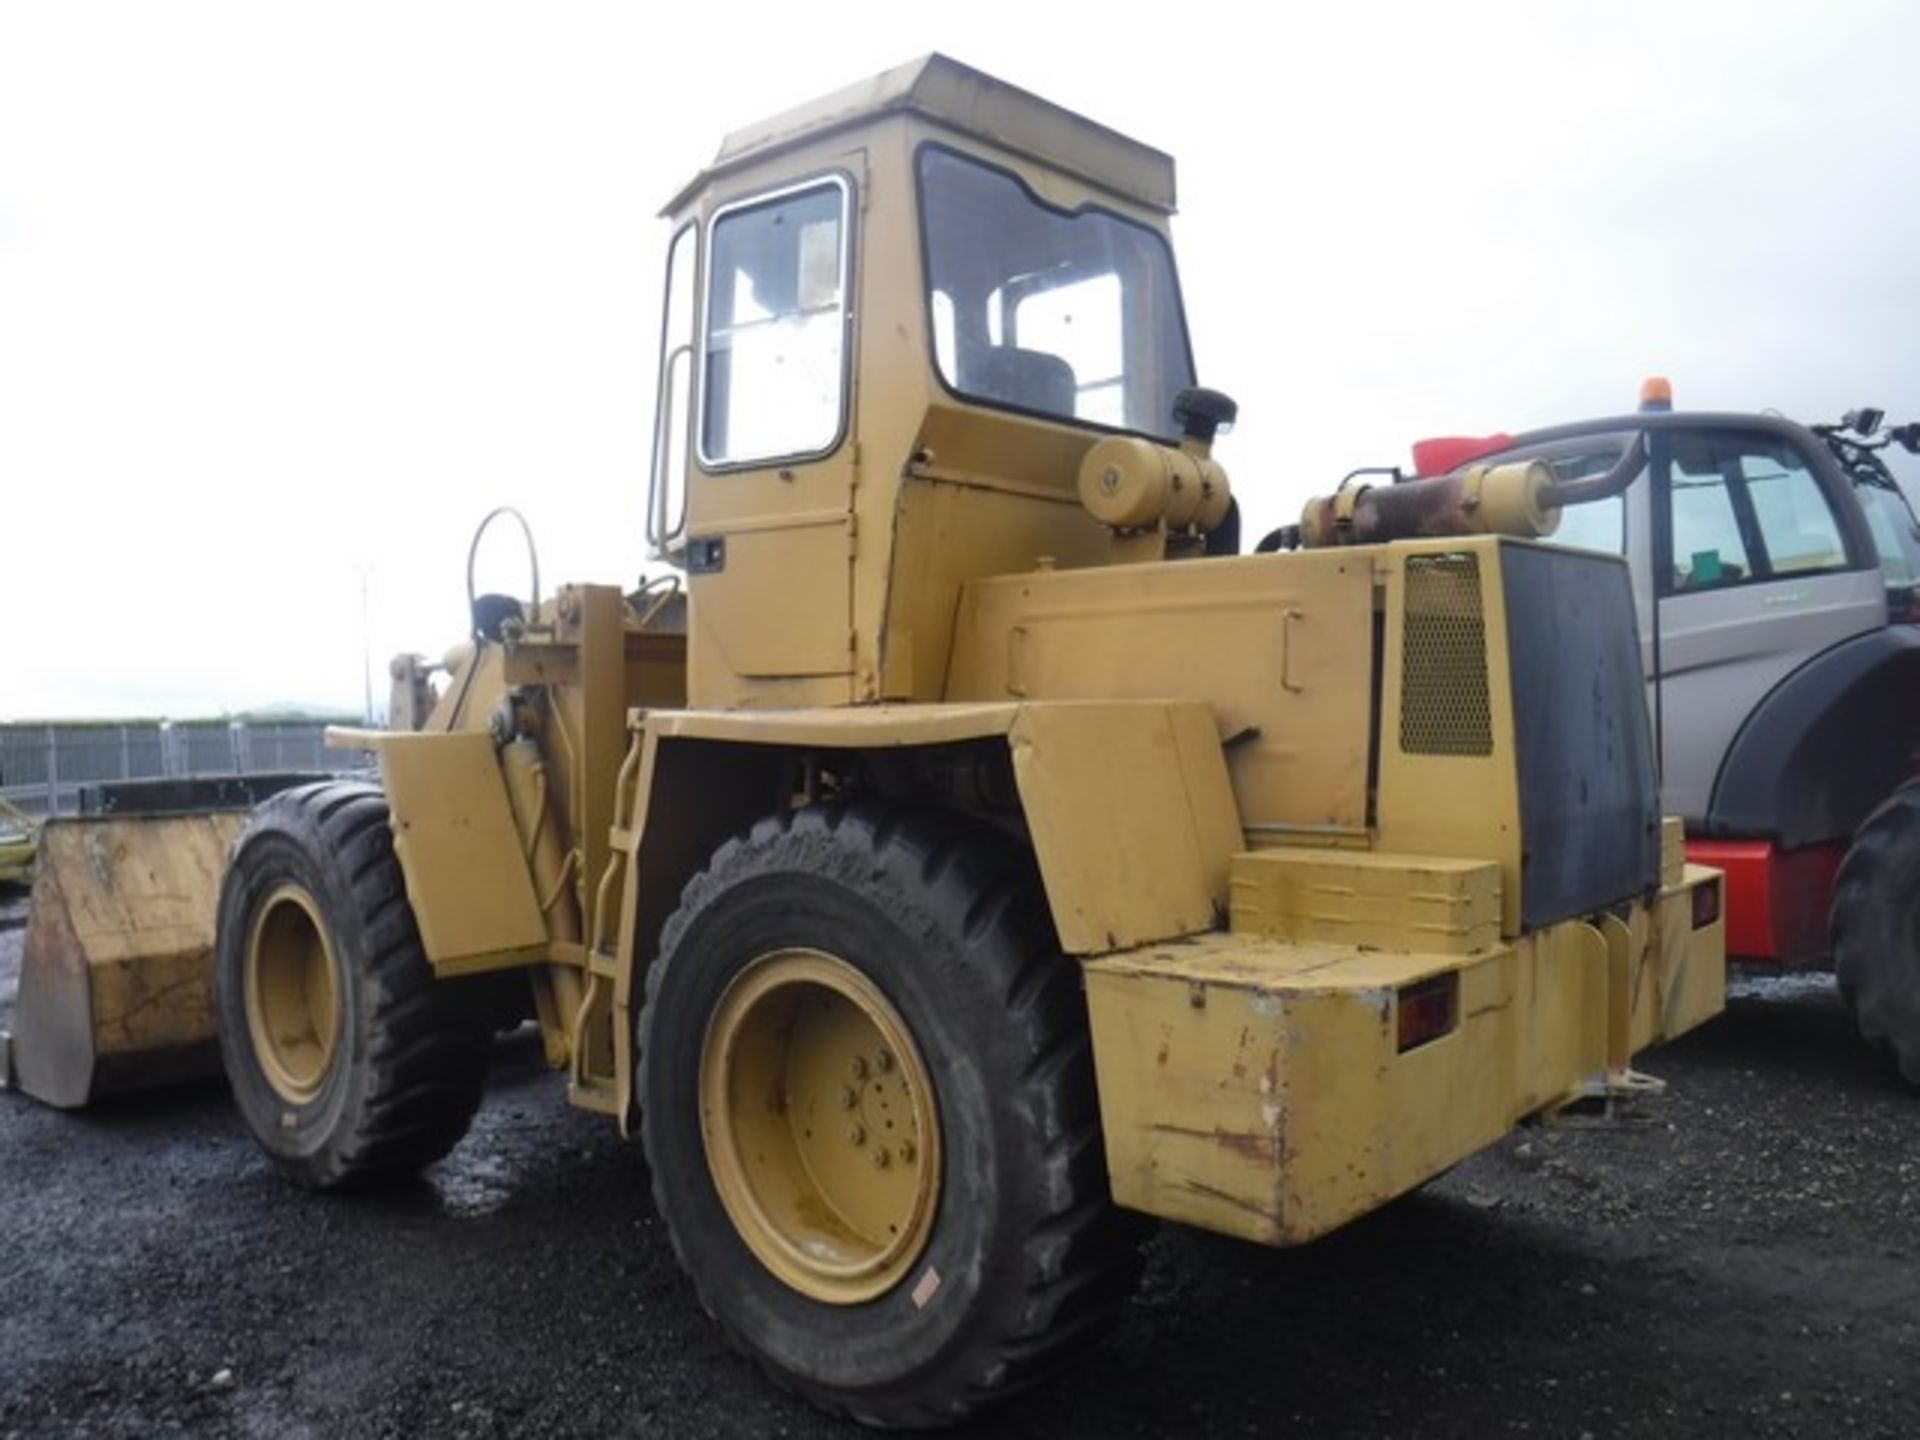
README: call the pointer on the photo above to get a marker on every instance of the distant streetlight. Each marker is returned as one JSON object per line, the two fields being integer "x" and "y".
{"x": 366, "y": 644}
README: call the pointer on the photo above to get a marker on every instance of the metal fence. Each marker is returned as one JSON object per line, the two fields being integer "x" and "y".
{"x": 42, "y": 767}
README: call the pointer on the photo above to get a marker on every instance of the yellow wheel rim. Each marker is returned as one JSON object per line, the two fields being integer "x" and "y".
{"x": 820, "y": 1128}
{"x": 293, "y": 1001}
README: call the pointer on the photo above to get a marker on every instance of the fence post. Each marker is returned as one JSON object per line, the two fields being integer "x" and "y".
{"x": 53, "y": 774}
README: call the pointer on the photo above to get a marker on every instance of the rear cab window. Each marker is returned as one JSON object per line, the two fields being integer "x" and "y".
{"x": 1599, "y": 524}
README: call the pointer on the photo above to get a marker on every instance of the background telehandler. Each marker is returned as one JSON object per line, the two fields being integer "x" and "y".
{"x": 979, "y": 853}
{"x": 1774, "y": 568}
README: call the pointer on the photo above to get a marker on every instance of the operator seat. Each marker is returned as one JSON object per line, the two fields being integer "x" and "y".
{"x": 1030, "y": 379}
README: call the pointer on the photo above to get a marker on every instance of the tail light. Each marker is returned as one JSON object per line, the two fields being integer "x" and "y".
{"x": 1706, "y": 903}
{"x": 1428, "y": 1009}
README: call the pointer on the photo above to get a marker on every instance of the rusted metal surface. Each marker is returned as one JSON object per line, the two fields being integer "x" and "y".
{"x": 1480, "y": 500}
{"x": 116, "y": 977}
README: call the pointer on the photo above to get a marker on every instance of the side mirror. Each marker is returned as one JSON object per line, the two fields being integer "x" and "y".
{"x": 1863, "y": 421}
{"x": 1906, "y": 436}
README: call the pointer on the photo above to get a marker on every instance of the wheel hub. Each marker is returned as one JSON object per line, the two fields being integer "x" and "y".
{"x": 292, "y": 998}
{"x": 820, "y": 1127}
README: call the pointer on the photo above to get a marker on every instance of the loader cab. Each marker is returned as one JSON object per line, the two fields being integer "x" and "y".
{"x": 895, "y": 323}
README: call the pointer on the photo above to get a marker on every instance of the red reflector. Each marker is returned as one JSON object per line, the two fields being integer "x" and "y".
{"x": 1706, "y": 902}
{"x": 1428, "y": 1009}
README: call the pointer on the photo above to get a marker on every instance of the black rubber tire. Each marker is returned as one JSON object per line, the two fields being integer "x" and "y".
{"x": 1874, "y": 928}
{"x": 411, "y": 1052}
{"x": 946, "y": 917}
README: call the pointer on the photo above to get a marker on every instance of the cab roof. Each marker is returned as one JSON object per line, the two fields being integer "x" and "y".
{"x": 970, "y": 102}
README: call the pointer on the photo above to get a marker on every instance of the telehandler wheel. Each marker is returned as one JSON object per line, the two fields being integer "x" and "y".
{"x": 1874, "y": 928}
{"x": 348, "y": 1060}
{"x": 868, "y": 1105}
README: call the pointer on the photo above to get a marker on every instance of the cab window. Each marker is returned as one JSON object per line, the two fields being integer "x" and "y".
{"x": 774, "y": 380}
{"x": 1070, "y": 314}
{"x": 1599, "y": 524}
{"x": 1708, "y": 548}
{"x": 1895, "y": 534}
{"x": 1797, "y": 526}
{"x": 1745, "y": 508}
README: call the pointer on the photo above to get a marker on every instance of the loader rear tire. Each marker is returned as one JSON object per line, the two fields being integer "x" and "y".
{"x": 867, "y": 1100}
{"x": 1874, "y": 928}
{"x": 348, "y": 1060}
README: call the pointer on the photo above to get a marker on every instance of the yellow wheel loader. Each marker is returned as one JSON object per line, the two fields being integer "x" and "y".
{"x": 980, "y": 854}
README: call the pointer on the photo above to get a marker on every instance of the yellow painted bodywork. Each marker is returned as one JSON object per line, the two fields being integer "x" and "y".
{"x": 1126, "y": 862}
{"x": 1254, "y": 1084}
{"x": 1279, "y": 645}
{"x": 1459, "y": 803}
{"x": 1122, "y": 864}
{"x": 1368, "y": 900}
{"x": 466, "y": 868}
{"x": 116, "y": 975}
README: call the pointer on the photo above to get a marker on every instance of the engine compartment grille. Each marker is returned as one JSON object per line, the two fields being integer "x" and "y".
{"x": 1444, "y": 704}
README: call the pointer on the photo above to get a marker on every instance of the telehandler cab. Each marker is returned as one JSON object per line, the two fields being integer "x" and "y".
{"x": 979, "y": 853}
{"x": 1774, "y": 567}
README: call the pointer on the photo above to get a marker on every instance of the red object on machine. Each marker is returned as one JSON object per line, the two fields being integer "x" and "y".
{"x": 1445, "y": 453}
{"x": 1777, "y": 900}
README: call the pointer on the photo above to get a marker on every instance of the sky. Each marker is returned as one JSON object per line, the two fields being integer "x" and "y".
{"x": 292, "y": 295}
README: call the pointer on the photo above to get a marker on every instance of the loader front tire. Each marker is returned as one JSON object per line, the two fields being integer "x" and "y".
{"x": 348, "y": 1060}
{"x": 1874, "y": 928}
{"x": 868, "y": 1106}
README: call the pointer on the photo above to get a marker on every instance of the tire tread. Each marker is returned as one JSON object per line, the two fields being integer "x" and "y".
{"x": 1079, "y": 1259}
{"x": 425, "y": 1045}
{"x": 1875, "y": 947}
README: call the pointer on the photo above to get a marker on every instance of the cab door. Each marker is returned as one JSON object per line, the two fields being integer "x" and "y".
{"x": 769, "y": 540}
{"x": 1754, "y": 573}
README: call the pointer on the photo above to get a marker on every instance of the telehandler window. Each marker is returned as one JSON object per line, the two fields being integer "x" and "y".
{"x": 775, "y": 372}
{"x": 1895, "y": 534}
{"x": 1599, "y": 524}
{"x": 1072, "y": 314}
{"x": 1746, "y": 508}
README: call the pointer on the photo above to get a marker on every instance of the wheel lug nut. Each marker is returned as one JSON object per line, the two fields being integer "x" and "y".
{"x": 883, "y": 1060}
{"x": 907, "y": 1153}
{"x": 847, "y": 1098}
{"x": 859, "y": 1067}
{"x": 857, "y": 1134}
{"x": 881, "y": 1158}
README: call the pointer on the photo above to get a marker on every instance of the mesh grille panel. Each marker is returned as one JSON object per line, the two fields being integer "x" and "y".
{"x": 1444, "y": 708}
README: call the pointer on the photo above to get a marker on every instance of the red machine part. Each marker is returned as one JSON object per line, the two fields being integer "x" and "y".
{"x": 1776, "y": 901}
{"x": 1443, "y": 454}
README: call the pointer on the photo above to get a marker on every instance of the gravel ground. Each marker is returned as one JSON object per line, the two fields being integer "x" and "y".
{"x": 1739, "y": 1262}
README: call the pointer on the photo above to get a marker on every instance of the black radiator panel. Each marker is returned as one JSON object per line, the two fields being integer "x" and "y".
{"x": 1589, "y": 807}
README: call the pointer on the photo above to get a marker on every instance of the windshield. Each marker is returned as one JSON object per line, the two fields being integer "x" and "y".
{"x": 1070, "y": 314}
{"x": 1896, "y": 536}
